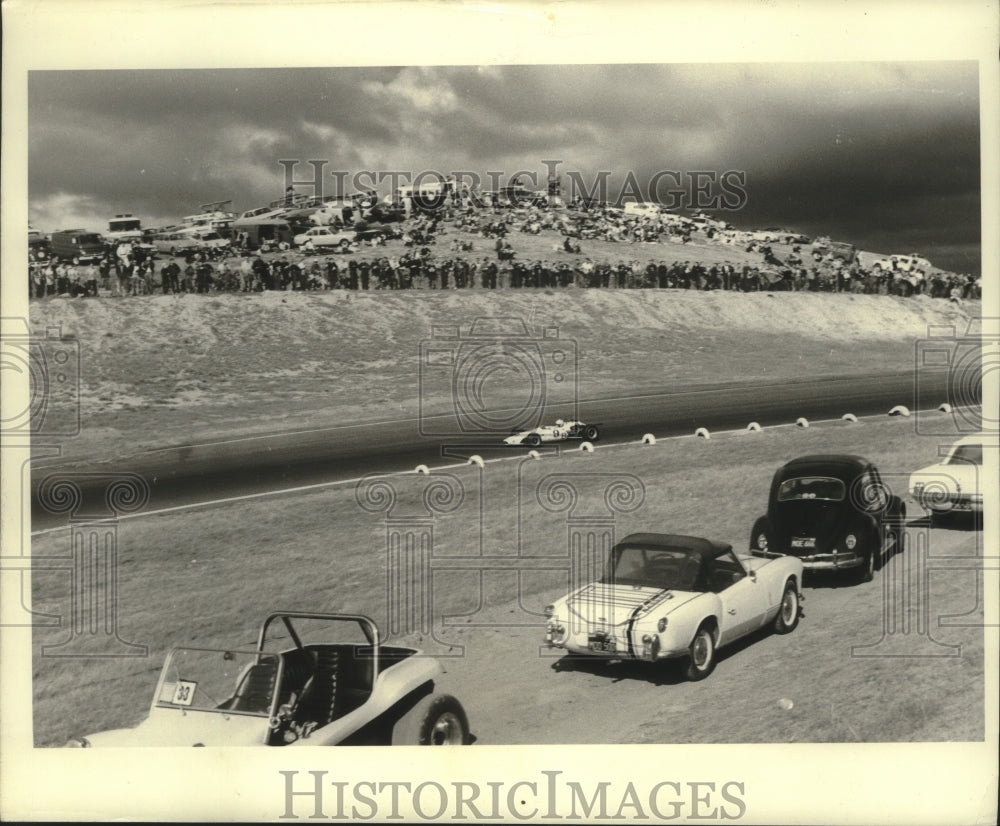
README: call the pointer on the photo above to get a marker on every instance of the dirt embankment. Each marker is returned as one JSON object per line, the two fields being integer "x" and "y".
{"x": 161, "y": 370}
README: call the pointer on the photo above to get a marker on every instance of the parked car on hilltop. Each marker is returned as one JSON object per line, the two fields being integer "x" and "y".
{"x": 324, "y": 237}
{"x": 313, "y": 679}
{"x": 910, "y": 264}
{"x": 833, "y": 512}
{"x": 70, "y": 244}
{"x": 667, "y": 596}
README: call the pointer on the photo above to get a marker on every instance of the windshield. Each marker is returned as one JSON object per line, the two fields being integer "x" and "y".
{"x": 966, "y": 454}
{"x": 669, "y": 568}
{"x": 212, "y": 680}
{"x": 810, "y": 488}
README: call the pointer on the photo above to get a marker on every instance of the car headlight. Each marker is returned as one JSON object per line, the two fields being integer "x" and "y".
{"x": 550, "y": 610}
{"x": 762, "y": 541}
{"x": 661, "y": 626}
{"x": 850, "y": 541}
{"x": 77, "y": 743}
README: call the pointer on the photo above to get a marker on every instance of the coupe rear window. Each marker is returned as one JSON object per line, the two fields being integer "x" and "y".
{"x": 811, "y": 487}
{"x": 966, "y": 454}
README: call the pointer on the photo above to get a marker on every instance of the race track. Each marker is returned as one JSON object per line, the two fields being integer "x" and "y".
{"x": 188, "y": 474}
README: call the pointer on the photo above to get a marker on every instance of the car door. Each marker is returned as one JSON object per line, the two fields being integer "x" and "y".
{"x": 744, "y": 599}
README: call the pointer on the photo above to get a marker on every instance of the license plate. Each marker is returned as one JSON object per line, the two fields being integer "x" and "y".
{"x": 605, "y": 644}
{"x": 803, "y": 542}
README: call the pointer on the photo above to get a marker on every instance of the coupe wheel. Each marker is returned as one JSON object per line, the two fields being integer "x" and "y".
{"x": 437, "y": 720}
{"x": 591, "y": 433}
{"x": 345, "y": 245}
{"x": 788, "y": 612}
{"x": 701, "y": 655}
{"x": 870, "y": 563}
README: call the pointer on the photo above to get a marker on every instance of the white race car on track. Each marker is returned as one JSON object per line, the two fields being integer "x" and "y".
{"x": 665, "y": 596}
{"x": 559, "y": 432}
{"x": 954, "y": 484}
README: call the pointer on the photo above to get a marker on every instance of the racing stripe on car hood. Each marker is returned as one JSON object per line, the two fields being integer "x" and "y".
{"x": 638, "y": 611}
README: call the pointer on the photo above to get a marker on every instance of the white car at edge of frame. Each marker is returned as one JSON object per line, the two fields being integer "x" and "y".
{"x": 953, "y": 485}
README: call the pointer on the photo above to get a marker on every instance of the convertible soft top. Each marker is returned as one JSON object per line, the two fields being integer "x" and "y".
{"x": 706, "y": 548}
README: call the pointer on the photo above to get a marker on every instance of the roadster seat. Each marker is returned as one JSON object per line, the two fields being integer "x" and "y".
{"x": 256, "y": 689}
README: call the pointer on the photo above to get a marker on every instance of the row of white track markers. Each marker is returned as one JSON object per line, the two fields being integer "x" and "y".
{"x": 478, "y": 461}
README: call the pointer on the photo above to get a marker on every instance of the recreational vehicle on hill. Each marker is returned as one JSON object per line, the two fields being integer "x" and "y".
{"x": 124, "y": 227}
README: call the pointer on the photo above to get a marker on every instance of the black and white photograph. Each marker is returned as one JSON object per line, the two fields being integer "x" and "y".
{"x": 610, "y": 392}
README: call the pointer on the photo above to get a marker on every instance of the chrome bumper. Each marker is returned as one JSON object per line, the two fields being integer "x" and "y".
{"x": 819, "y": 562}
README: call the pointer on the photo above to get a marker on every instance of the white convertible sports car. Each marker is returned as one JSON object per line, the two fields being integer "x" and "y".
{"x": 665, "y": 596}
{"x": 559, "y": 432}
{"x": 954, "y": 484}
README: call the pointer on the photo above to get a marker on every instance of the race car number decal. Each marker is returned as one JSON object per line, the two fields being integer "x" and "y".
{"x": 183, "y": 693}
{"x": 557, "y": 434}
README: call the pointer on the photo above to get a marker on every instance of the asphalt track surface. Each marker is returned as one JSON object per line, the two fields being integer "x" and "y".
{"x": 238, "y": 466}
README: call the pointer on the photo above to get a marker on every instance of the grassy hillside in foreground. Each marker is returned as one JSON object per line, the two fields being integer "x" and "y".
{"x": 161, "y": 370}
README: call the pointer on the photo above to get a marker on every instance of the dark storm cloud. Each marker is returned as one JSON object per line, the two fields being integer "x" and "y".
{"x": 850, "y": 146}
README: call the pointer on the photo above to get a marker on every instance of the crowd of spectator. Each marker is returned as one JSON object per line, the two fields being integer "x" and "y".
{"x": 480, "y": 256}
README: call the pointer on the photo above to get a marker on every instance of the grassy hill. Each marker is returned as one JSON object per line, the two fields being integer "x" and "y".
{"x": 160, "y": 370}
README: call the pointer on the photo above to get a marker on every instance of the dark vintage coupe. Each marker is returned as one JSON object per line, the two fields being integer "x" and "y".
{"x": 834, "y": 512}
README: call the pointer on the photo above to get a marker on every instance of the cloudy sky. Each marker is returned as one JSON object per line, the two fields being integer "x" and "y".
{"x": 885, "y": 155}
